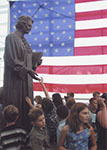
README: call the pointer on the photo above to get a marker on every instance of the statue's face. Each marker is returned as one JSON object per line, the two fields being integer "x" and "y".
{"x": 27, "y": 27}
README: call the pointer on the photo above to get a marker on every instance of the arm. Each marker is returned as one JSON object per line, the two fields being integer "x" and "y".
{"x": 44, "y": 88}
{"x": 28, "y": 100}
{"x": 62, "y": 138}
{"x": 93, "y": 139}
{"x": 102, "y": 114}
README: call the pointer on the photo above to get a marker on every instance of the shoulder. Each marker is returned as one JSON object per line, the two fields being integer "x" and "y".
{"x": 65, "y": 129}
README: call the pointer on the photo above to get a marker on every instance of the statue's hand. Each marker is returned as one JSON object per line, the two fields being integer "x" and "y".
{"x": 33, "y": 74}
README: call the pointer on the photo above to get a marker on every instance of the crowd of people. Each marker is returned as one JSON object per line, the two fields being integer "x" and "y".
{"x": 57, "y": 124}
{"x": 48, "y": 123}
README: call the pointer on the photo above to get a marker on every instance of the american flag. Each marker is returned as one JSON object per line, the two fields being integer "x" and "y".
{"x": 72, "y": 34}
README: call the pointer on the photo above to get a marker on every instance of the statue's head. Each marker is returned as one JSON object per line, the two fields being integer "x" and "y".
{"x": 24, "y": 23}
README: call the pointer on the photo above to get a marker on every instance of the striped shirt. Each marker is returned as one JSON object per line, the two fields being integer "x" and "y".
{"x": 12, "y": 138}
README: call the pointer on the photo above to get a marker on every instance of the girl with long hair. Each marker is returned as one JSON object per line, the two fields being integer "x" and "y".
{"x": 76, "y": 133}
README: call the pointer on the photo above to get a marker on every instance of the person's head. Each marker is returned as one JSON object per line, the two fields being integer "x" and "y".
{"x": 96, "y": 94}
{"x": 10, "y": 113}
{"x": 70, "y": 94}
{"x": 93, "y": 104}
{"x": 37, "y": 117}
{"x": 24, "y": 24}
{"x": 57, "y": 99}
{"x": 70, "y": 102}
{"x": 104, "y": 95}
{"x": 47, "y": 105}
{"x": 79, "y": 115}
{"x": 62, "y": 112}
{"x": 38, "y": 99}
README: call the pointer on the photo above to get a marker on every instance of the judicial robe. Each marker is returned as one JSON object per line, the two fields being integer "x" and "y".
{"x": 17, "y": 82}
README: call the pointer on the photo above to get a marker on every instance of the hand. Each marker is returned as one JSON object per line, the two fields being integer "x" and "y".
{"x": 101, "y": 102}
{"x": 28, "y": 100}
{"x": 33, "y": 74}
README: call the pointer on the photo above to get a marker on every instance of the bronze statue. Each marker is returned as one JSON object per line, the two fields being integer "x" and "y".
{"x": 19, "y": 71}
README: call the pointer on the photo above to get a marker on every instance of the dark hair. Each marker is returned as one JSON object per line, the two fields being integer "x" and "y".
{"x": 62, "y": 111}
{"x": 38, "y": 99}
{"x": 92, "y": 99}
{"x": 22, "y": 20}
{"x": 57, "y": 99}
{"x": 10, "y": 113}
{"x": 95, "y": 93}
{"x": 74, "y": 116}
{"x": 47, "y": 105}
{"x": 35, "y": 113}
{"x": 70, "y": 94}
{"x": 70, "y": 102}
{"x": 104, "y": 95}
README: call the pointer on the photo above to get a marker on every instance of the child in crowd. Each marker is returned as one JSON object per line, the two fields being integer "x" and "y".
{"x": 62, "y": 112}
{"x": 12, "y": 137}
{"x": 38, "y": 135}
{"x": 75, "y": 135}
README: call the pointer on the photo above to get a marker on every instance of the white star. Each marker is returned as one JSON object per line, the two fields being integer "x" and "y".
{"x": 57, "y": 14}
{"x": 45, "y": 50}
{"x": 51, "y": 44}
{"x": 68, "y": 49}
{"x": 46, "y": 27}
{"x": 63, "y": 32}
{"x": 69, "y": 26}
{"x": 41, "y": 22}
{"x": 56, "y": 50}
{"x": 14, "y": 16}
{"x": 58, "y": 27}
{"x": 63, "y": 8}
{"x": 46, "y": 15}
{"x": 41, "y": 33}
{"x": 70, "y": 13}
{"x": 52, "y": 21}
{"x": 34, "y": 4}
{"x": 36, "y": 27}
{"x": 14, "y": 6}
{"x": 70, "y": 37}
{"x": 45, "y": 4}
{"x": 35, "y": 16}
{"x": 34, "y": 50}
{"x": 57, "y": 3}
{"x": 29, "y": 10}
{"x": 63, "y": 20}
{"x": 52, "y": 33}
{"x": 62, "y": 44}
{"x": 69, "y": 1}
{"x": 14, "y": 27}
{"x": 35, "y": 39}
{"x": 19, "y": 11}
{"x": 24, "y": 5}
{"x": 58, "y": 38}
{"x": 40, "y": 45}
{"x": 46, "y": 39}
{"x": 51, "y": 8}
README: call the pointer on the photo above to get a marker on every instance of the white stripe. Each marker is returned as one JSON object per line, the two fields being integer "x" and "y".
{"x": 91, "y": 41}
{"x": 75, "y": 60}
{"x": 91, "y": 24}
{"x": 75, "y": 79}
{"x": 91, "y": 6}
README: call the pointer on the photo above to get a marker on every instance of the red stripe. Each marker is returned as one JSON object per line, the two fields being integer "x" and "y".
{"x": 90, "y": 50}
{"x": 83, "y": 1}
{"x": 64, "y": 88}
{"x": 72, "y": 70}
{"x": 91, "y": 33}
{"x": 90, "y": 15}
